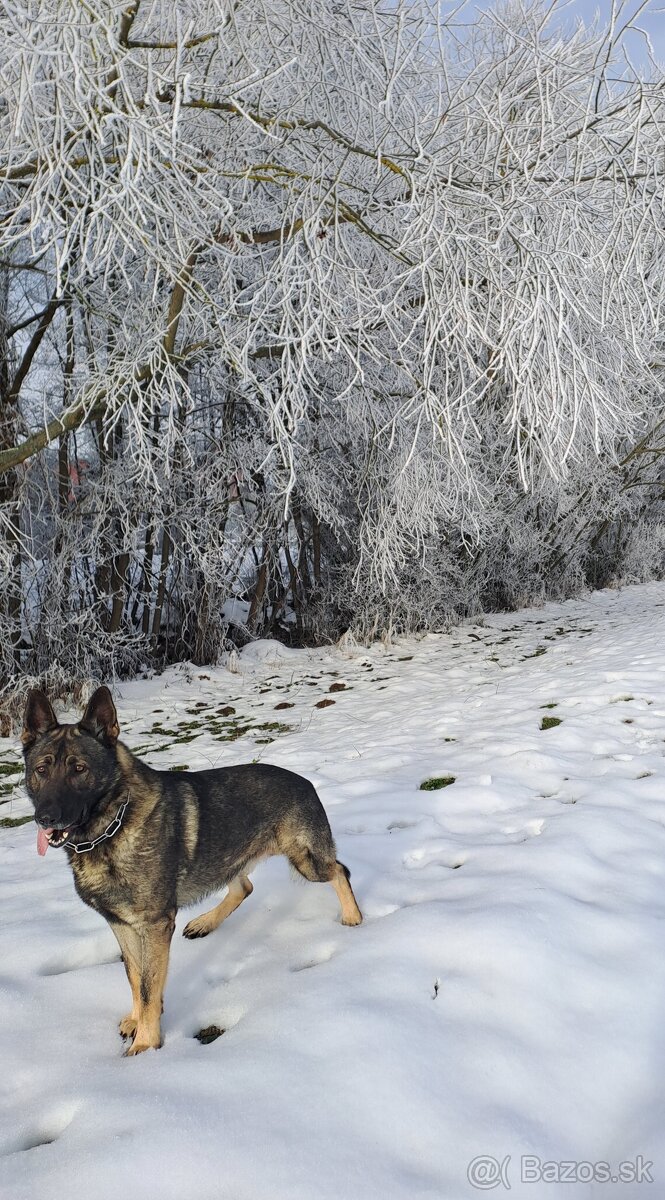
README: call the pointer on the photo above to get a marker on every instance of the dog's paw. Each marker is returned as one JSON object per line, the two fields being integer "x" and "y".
{"x": 197, "y": 928}
{"x": 144, "y": 1042}
{"x": 127, "y": 1026}
{"x": 354, "y": 920}
{"x": 138, "y": 1048}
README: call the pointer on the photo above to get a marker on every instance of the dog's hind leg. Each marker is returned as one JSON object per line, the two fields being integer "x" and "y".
{"x": 351, "y": 914}
{"x": 239, "y": 889}
{"x": 320, "y": 869}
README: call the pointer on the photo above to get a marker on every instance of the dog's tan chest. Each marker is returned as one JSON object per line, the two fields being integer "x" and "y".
{"x": 108, "y": 881}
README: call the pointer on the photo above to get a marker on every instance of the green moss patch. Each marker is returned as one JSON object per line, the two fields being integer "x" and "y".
{"x": 10, "y": 768}
{"x": 436, "y": 782}
{"x": 12, "y": 822}
{"x": 550, "y": 722}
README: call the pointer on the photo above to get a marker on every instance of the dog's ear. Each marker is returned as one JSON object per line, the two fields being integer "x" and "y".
{"x": 100, "y": 718}
{"x": 38, "y": 717}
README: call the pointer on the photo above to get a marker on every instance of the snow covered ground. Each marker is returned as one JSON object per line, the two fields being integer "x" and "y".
{"x": 504, "y": 997}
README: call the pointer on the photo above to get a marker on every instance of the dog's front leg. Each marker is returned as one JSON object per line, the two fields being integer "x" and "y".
{"x": 153, "y": 943}
{"x": 130, "y": 947}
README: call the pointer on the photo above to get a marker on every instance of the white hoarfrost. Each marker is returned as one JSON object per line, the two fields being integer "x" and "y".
{"x": 504, "y": 996}
{"x": 366, "y": 281}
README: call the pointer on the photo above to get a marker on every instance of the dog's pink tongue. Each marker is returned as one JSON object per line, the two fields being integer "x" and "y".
{"x": 42, "y": 840}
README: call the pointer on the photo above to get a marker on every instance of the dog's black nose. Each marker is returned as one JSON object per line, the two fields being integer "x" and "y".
{"x": 48, "y": 820}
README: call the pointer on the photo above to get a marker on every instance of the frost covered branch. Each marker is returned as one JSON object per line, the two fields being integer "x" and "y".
{"x": 353, "y": 292}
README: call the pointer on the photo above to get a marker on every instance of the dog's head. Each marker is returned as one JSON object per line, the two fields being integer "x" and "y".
{"x": 69, "y": 769}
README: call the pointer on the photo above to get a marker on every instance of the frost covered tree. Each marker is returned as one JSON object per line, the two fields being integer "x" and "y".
{"x": 317, "y": 315}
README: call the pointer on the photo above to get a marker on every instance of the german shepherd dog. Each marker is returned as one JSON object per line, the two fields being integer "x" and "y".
{"x": 142, "y": 843}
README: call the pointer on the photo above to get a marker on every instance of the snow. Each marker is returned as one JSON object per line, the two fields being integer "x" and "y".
{"x": 503, "y": 997}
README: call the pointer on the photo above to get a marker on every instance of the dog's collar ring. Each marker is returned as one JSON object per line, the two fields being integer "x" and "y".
{"x": 84, "y": 847}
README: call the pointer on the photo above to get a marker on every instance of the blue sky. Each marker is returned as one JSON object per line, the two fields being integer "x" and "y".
{"x": 651, "y": 19}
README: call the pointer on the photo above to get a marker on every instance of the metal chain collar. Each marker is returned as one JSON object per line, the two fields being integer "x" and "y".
{"x": 84, "y": 847}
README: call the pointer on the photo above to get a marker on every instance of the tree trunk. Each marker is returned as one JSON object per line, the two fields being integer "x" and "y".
{"x": 9, "y": 502}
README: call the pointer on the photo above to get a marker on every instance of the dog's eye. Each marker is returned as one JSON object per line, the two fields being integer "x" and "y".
{"x": 41, "y": 769}
{"x": 79, "y": 767}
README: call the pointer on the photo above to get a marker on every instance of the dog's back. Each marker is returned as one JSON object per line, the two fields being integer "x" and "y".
{"x": 232, "y": 817}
